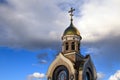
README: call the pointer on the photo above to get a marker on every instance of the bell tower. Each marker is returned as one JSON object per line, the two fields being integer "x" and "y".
{"x": 71, "y": 37}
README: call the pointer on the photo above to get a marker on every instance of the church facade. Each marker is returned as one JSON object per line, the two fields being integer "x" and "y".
{"x": 70, "y": 64}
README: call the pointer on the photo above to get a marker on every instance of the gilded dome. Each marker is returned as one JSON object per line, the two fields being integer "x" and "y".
{"x": 71, "y": 30}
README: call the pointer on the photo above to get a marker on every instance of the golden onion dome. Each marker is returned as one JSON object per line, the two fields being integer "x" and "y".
{"x": 71, "y": 30}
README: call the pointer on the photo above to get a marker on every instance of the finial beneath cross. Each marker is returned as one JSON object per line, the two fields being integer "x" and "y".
{"x": 71, "y": 13}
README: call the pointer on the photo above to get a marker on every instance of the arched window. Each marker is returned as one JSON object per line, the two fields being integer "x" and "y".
{"x": 87, "y": 77}
{"x": 61, "y": 73}
{"x": 67, "y": 45}
{"x": 73, "y": 46}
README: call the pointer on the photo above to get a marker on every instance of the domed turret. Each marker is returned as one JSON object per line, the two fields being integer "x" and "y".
{"x": 70, "y": 64}
{"x": 71, "y": 30}
{"x": 71, "y": 38}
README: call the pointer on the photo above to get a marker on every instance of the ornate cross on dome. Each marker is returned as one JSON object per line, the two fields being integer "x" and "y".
{"x": 71, "y": 13}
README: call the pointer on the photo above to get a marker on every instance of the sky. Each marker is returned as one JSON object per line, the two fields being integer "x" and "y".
{"x": 31, "y": 31}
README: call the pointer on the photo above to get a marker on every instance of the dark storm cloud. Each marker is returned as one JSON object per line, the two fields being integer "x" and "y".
{"x": 25, "y": 25}
{"x": 105, "y": 52}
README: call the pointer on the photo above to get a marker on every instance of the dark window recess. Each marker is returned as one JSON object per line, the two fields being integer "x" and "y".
{"x": 73, "y": 46}
{"x": 67, "y": 46}
{"x": 87, "y": 77}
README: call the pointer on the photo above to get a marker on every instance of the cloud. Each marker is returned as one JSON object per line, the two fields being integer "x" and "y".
{"x": 100, "y": 76}
{"x": 43, "y": 58}
{"x": 26, "y": 24}
{"x": 100, "y": 30}
{"x": 105, "y": 52}
{"x": 40, "y": 24}
{"x": 99, "y": 19}
{"x": 43, "y": 61}
{"x": 115, "y": 76}
{"x": 36, "y": 75}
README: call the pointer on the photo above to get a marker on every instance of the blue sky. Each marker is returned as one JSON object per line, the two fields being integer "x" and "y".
{"x": 31, "y": 30}
{"x": 18, "y": 64}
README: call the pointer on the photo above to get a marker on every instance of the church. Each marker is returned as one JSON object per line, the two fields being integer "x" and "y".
{"x": 70, "y": 64}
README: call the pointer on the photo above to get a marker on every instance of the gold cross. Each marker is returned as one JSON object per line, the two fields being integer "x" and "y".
{"x": 71, "y": 13}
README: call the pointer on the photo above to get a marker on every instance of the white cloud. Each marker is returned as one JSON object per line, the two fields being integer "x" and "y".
{"x": 99, "y": 18}
{"x": 100, "y": 76}
{"x": 43, "y": 61}
{"x": 36, "y": 75}
{"x": 115, "y": 76}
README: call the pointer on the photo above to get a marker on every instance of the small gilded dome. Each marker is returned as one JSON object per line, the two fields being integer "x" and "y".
{"x": 71, "y": 30}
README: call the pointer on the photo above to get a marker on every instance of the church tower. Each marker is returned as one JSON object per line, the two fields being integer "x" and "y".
{"x": 70, "y": 64}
